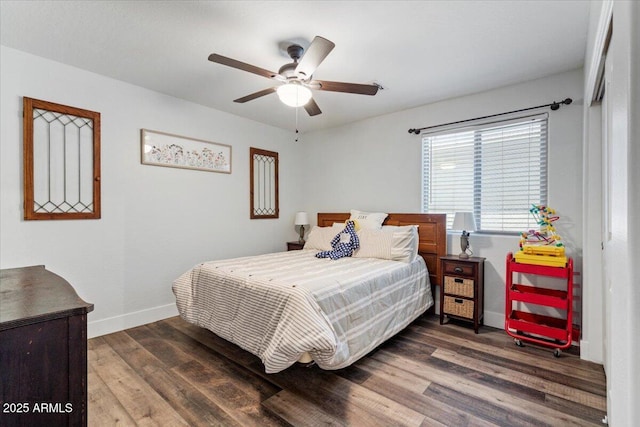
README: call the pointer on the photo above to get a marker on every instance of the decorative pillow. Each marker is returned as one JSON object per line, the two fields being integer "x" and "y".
{"x": 405, "y": 240}
{"x": 374, "y": 244}
{"x": 396, "y": 243}
{"x": 369, "y": 220}
{"x": 320, "y": 238}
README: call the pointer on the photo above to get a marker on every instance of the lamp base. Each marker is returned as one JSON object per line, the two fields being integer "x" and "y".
{"x": 301, "y": 238}
{"x": 464, "y": 245}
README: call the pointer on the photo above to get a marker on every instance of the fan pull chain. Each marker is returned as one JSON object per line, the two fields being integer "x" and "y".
{"x": 297, "y": 108}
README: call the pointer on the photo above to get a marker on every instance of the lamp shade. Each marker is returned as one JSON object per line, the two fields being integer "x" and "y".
{"x": 464, "y": 221}
{"x": 302, "y": 218}
{"x": 293, "y": 94}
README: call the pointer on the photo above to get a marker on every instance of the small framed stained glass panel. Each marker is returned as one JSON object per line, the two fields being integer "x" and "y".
{"x": 61, "y": 161}
{"x": 263, "y": 180}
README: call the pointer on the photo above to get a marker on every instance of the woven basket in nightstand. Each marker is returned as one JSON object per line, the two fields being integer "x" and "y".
{"x": 458, "y": 307}
{"x": 458, "y": 286}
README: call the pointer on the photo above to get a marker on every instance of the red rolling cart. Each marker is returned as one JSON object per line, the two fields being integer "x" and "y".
{"x": 536, "y": 328}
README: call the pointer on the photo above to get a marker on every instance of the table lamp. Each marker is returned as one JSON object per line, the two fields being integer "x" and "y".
{"x": 466, "y": 222}
{"x": 302, "y": 219}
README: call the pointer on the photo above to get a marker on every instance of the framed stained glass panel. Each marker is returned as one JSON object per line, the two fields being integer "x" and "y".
{"x": 61, "y": 161}
{"x": 263, "y": 180}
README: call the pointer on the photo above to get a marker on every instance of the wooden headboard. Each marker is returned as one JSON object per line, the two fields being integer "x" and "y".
{"x": 432, "y": 229}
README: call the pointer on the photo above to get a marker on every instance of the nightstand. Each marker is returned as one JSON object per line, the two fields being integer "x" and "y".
{"x": 294, "y": 246}
{"x": 462, "y": 292}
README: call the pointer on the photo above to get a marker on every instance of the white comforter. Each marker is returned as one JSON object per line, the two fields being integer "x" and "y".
{"x": 281, "y": 305}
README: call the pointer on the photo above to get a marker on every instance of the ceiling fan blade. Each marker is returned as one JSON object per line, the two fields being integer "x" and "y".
{"x": 356, "y": 88}
{"x": 314, "y": 55}
{"x": 255, "y": 95}
{"x": 214, "y": 57}
{"x": 312, "y": 108}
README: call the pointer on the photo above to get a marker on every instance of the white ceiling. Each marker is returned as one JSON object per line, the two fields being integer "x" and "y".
{"x": 419, "y": 51}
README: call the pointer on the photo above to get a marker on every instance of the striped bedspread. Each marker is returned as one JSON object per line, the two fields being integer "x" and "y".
{"x": 281, "y": 305}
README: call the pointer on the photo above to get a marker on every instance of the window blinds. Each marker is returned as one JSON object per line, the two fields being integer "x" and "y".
{"x": 497, "y": 170}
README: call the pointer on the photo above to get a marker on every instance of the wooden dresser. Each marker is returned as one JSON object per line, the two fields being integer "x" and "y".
{"x": 43, "y": 350}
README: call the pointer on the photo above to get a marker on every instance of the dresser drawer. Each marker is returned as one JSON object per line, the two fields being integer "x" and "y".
{"x": 458, "y": 307}
{"x": 458, "y": 286}
{"x": 459, "y": 268}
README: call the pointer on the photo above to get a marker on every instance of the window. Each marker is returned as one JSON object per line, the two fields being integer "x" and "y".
{"x": 497, "y": 170}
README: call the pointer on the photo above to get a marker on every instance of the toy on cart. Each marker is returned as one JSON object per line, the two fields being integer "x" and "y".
{"x": 543, "y": 246}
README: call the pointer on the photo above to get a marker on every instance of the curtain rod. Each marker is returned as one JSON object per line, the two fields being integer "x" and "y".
{"x": 554, "y": 106}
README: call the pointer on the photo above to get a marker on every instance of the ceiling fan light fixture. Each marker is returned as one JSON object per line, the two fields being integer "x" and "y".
{"x": 293, "y": 94}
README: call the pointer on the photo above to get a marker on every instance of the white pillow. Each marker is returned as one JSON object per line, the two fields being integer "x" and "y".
{"x": 374, "y": 244}
{"x": 396, "y": 243}
{"x": 405, "y": 241}
{"x": 317, "y": 239}
{"x": 320, "y": 237}
{"x": 372, "y": 220}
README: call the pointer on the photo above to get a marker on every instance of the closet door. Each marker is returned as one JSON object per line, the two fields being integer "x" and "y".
{"x": 606, "y": 215}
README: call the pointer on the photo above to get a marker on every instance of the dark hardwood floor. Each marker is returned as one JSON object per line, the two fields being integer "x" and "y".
{"x": 170, "y": 373}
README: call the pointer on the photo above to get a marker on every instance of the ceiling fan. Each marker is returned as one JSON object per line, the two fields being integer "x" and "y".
{"x": 297, "y": 77}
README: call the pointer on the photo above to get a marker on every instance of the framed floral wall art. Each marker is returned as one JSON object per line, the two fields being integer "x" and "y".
{"x": 165, "y": 149}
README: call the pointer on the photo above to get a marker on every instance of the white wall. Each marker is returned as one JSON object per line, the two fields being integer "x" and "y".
{"x": 156, "y": 222}
{"x": 376, "y": 165}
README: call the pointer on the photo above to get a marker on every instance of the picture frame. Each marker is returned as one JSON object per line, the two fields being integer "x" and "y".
{"x": 175, "y": 151}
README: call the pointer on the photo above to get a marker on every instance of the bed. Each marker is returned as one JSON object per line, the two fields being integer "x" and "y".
{"x": 287, "y": 306}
